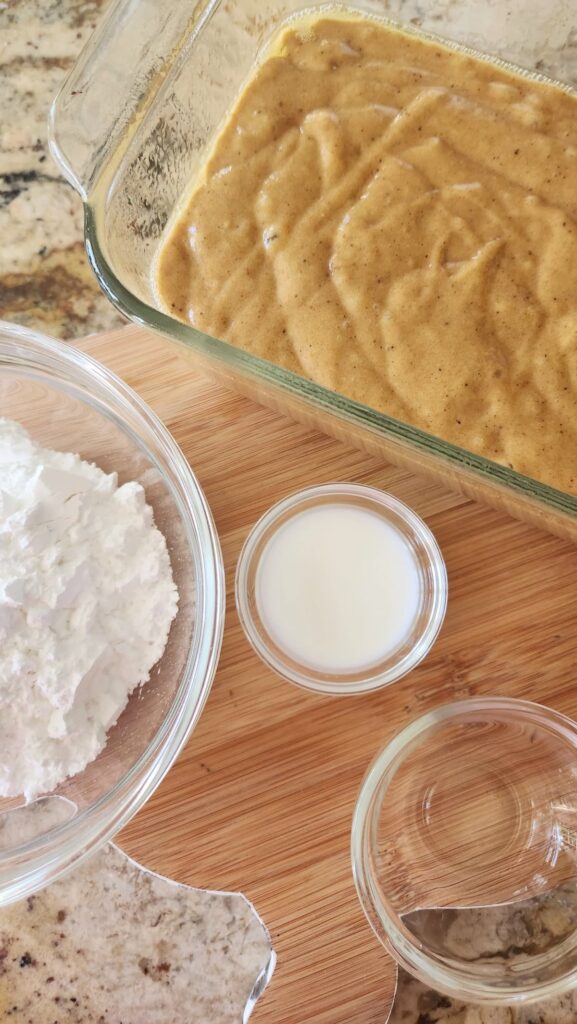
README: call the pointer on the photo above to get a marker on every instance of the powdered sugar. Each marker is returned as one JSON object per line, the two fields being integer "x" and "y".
{"x": 86, "y": 603}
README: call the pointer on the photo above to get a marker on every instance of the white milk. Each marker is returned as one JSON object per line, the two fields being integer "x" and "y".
{"x": 338, "y": 588}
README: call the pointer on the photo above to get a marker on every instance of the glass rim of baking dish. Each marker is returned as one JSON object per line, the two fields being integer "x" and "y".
{"x": 415, "y": 439}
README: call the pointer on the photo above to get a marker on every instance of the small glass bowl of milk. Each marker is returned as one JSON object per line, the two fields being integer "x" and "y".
{"x": 341, "y": 588}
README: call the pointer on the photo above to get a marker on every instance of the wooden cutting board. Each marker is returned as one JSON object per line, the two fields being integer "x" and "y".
{"x": 262, "y": 797}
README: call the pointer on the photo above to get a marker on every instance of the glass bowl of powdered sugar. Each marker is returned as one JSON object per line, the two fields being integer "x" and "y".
{"x": 111, "y": 606}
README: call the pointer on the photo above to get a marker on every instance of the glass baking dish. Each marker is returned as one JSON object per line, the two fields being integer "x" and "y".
{"x": 130, "y": 127}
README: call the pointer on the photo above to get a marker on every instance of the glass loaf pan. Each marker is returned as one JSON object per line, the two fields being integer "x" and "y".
{"x": 131, "y": 125}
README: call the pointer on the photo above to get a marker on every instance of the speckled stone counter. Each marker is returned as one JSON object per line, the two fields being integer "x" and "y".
{"x": 114, "y": 943}
{"x": 416, "y": 1004}
{"x": 505, "y": 933}
{"x": 45, "y": 280}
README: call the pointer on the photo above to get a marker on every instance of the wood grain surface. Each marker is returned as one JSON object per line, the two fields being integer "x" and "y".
{"x": 262, "y": 797}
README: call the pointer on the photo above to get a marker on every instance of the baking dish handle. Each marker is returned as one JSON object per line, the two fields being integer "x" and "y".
{"x": 114, "y": 80}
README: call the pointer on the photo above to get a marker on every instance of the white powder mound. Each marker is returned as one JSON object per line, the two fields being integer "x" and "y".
{"x": 86, "y": 603}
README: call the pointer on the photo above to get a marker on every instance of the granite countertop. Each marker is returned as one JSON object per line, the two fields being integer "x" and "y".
{"x": 45, "y": 280}
{"x": 113, "y": 943}
{"x": 415, "y": 1004}
{"x": 506, "y": 934}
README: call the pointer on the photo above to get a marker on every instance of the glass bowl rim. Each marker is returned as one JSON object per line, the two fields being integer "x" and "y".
{"x": 409, "y": 954}
{"x": 34, "y": 354}
{"x": 334, "y": 683}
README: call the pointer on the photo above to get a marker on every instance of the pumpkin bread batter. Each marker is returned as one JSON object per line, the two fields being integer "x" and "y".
{"x": 397, "y": 220}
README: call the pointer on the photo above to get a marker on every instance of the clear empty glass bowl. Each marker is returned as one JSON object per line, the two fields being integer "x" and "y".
{"x": 464, "y": 850}
{"x": 69, "y": 402}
